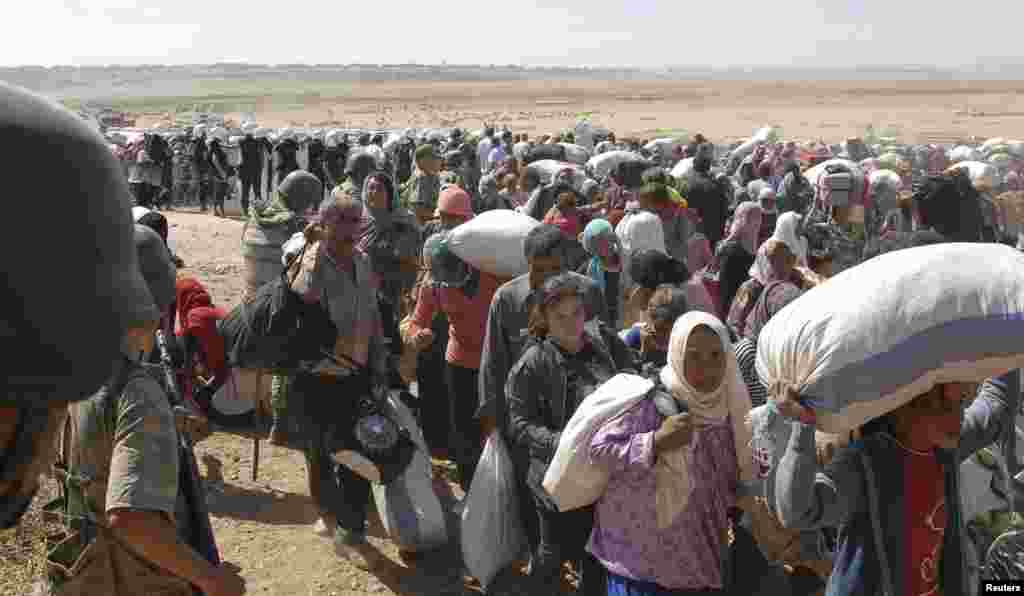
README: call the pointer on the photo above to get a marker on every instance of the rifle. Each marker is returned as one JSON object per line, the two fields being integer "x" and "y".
{"x": 193, "y": 515}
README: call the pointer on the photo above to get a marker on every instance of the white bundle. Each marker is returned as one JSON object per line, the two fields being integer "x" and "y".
{"x": 576, "y": 154}
{"x": 600, "y": 166}
{"x": 493, "y": 242}
{"x": 890, "y": 329}
{"x": 984, "y": 176}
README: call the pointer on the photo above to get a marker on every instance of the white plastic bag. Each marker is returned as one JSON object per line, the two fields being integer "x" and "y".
{"x": 881, "y": 333}
{"x": 683, "y": 169}
{"x": 410, "y": 510}
{"x": 492, "y": 533}
{"x": 573, "y": 480}
{"x": 493, "y": 242}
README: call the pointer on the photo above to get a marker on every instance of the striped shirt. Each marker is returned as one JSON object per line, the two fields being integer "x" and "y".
{"x": 746, "y": 357}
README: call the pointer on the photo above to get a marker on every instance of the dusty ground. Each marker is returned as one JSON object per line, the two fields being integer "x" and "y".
{"x": 720, "y": 109}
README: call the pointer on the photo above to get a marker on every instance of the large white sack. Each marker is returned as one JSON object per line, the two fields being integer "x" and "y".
{"x": 493, "y": 242}
{"x": 666, "y": 144}
{"x": 572, "y": 479}
{"x": 964, "y": 153}
{"x": 492, "y": 533}
{"x": 601, "y": 165}
{"x": 815, "y": 172}
{"x": 410, "y": 510}
{"x": 549, "y": 168}
{"x": 683, "y": 169}
{"x": 984, "y": 176}
{"x": 1015, "y": 148}
{"x": 576, "y": 153}
{"x": 879, "y": 334}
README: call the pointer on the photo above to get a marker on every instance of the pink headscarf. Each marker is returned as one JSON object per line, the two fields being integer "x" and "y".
{"x": 746, "y": 225}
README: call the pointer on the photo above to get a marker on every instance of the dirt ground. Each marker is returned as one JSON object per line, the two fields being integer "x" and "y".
{"x": 832, "y": 110}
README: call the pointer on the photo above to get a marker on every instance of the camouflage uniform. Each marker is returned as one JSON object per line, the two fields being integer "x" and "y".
{"x": 844, "y": 243}
{"x": 122, "y": 453}
{"x": 421, "y": 190}
{"x": 182, "y": 171}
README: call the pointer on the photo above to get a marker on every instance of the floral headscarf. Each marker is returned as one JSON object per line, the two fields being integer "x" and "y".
{"x": 599, "y": 240}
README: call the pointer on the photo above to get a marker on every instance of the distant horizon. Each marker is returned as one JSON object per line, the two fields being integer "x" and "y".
{"x": 987, "y": 63}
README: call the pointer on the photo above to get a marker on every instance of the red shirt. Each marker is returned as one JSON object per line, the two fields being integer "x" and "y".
{"x": 924, "y": 521}
{"x": 467, "y": 318}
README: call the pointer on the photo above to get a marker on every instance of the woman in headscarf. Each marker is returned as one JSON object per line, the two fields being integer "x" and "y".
{"x": 568, "y": 213}
{"x": 776, "y": 294}
{"x": 787, "y": 230}
{"x": 736, "y": 253}
{"x": 206, "y": 367}
{"x": 774, "y": 262}
{"x": 463, "y": 294}
{"x": 566, "y": 362}
{"x": 605, "y": 263}
{"x": 390, "y": 235}
{"x": 678, "y": 463}
{"x": 650, "y": 337}
{"x": 769, "y": 214}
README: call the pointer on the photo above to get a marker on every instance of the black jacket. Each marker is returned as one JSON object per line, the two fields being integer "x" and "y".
{"x": 252, "y": 157}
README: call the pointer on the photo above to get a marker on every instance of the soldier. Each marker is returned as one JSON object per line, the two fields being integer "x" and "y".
{"x": 120, "y": 467}
{"x": 421, "y": 191}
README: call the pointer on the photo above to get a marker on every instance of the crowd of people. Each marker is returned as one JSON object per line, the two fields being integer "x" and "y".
{"x": 671, "y": 277}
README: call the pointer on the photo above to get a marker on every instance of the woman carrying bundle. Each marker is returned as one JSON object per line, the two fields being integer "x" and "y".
{"x": 678, "y": 466}
{"x": 565, "y": 362}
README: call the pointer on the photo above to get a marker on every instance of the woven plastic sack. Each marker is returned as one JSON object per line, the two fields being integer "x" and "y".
{"x": 492, "y": 532}
{"x": 881, "y": 333}
{"x": 964, "y": 153}
{"x": 493, "y": 242}
{"x": 572, "y": 479}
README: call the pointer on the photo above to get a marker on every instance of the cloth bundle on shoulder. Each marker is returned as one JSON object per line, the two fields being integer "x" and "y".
{"x": 575, "y": 153}
{"x": 600, "y": 166}
{"x": 275, "y": 329}
{"x": 572, "y": 479}
{"x": 493, "y": 242}
{"x": 881, "y": 333}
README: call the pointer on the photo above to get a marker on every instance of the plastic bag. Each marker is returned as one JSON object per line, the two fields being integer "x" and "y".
{"x": 410, "y": 510}
{"x": 1005, "y": 560}
{"x": 492, "y": 533}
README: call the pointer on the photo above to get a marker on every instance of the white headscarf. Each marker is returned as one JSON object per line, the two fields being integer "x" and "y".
{"x": 728, "y": 404}
{"x": 786, "y": 230}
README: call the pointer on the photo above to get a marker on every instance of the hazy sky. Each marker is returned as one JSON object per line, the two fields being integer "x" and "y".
{"x": 527, "y": 32}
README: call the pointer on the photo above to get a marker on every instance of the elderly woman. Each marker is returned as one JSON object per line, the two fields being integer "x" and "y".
{"x": 679, "y": 463}
{"x": 390, "y": 236}
{"x": 566, "y": 362}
